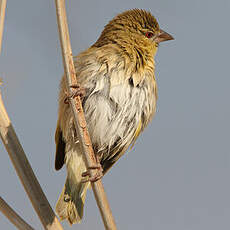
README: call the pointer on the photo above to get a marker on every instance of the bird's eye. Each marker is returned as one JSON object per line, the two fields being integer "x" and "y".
{"x": 149, "y": 34}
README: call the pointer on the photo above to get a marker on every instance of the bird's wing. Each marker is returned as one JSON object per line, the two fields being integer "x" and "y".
{"x": 60, "y": 148}
{"x": 118, "y": 152}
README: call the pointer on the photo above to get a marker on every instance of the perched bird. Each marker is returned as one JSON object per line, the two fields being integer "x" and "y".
{"x": 117, "y": 74}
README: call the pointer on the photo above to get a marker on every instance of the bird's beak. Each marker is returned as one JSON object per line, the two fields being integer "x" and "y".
{"x": 163, "y": 36}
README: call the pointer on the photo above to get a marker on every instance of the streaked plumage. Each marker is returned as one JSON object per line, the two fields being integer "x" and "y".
{"x": 121, "y": 93}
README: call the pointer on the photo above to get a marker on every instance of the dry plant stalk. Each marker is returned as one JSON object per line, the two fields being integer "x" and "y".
{"x": 25, "y": 172}
{"x": 22, "y": 167}
{"x": 2, "y": 19}
{"x": 13, "y": 216}
{"x": 79, "y": 118}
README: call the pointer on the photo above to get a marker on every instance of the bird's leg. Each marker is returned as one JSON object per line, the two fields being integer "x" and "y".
{"x": 77, "y": 91}
{"x": 97, "y": 176}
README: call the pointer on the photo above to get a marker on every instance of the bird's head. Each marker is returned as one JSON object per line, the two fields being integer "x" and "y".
{"x": 136, "y": 32}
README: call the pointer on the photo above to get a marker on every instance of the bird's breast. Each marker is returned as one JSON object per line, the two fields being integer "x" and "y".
{"x": 115, "y": 110}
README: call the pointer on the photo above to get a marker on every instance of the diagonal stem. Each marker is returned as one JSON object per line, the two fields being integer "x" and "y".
{"x": 2, "y": 19}
{"x": 79, "y": 118}
{"x": 13, "y": 217}
{"x": 22, "y": 166}
{"x": 25, "y": 172}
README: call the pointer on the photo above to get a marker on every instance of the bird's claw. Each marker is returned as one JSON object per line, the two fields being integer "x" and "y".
{"x": 77, "y": 91}
{"x": 97, "y": 176}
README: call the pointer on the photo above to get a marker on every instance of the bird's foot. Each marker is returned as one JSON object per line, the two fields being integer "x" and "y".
{"x": 77, "y": 91}
{"x": 97, "y": 176}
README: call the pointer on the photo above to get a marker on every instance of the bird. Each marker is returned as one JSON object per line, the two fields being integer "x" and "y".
{"x": 117, "y": 76}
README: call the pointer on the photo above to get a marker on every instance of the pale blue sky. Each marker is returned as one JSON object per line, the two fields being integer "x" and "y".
{"x": 177, "y": 175}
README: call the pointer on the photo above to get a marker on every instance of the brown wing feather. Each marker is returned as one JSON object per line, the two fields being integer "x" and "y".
{"x": 60, "y": 149}
{"x": 107, "y": 163}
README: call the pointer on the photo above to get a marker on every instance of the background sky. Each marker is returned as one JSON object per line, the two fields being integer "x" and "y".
{"x": 177, "y": 175}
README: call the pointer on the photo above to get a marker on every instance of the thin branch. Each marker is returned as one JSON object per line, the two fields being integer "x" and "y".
{"x": 25, "y": 172}
{"x": 79, "y": 118}
{"x": 2, "y": 19}
{"x": 13, "y": 217}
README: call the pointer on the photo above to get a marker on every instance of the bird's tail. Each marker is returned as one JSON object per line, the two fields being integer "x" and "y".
{"x": 70, "y": 204}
